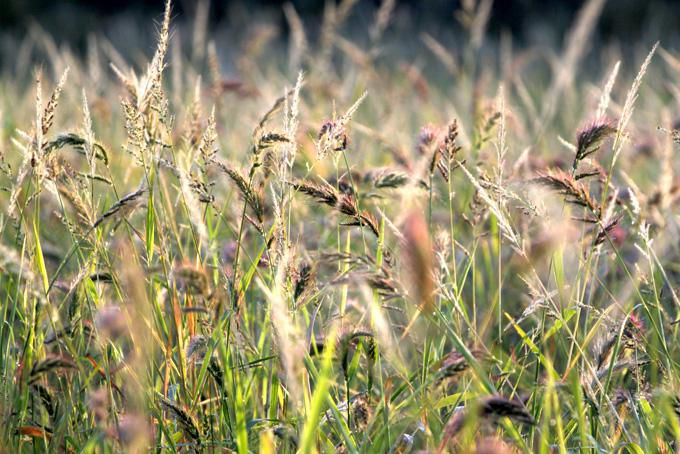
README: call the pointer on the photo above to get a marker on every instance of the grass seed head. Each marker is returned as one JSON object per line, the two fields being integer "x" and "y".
{"x": 332, "y": 138}
{"x": 565, "y": 184}
{"x": 184, "y": 419}
{"x": 589, "y": 139}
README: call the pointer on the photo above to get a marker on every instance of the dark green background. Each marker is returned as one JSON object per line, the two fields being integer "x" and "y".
{"x": 71, "y": 20}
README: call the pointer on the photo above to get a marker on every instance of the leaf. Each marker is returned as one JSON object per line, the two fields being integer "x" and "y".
{"x": 34, "y": 432}
{"x": 39, "y": 257}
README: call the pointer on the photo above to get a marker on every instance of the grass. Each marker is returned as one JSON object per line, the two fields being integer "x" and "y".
{"x": 344, "y": 255}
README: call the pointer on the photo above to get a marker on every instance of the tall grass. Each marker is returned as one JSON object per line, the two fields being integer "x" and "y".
{"x": 337, "y": 254}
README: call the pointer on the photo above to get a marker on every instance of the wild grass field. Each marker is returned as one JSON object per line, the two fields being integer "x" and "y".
{"x": 327, "y": 249}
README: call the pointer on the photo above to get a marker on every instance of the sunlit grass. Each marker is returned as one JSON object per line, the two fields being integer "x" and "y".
{"x": 342, "y": 255}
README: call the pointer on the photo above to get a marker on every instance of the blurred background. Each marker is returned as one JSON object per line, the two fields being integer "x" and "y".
{"x": 71, "y": 21}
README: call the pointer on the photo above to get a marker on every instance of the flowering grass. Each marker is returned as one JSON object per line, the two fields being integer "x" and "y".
{"x": 343, "y": 255}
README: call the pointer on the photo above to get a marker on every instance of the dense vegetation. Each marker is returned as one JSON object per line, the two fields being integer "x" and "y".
{"x": 339, "y": 254}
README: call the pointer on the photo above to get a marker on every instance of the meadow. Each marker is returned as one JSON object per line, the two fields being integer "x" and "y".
{"x": 329, "y": 248}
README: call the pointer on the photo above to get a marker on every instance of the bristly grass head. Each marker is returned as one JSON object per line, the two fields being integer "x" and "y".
{"x": 343, "y": 203}
{"x": 332, "y": 138}
{"x": 589, "y": 139}
{"x": 573, "y": 191}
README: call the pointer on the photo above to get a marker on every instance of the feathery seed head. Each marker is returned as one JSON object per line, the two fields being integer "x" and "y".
{"x": 589, "y": 139}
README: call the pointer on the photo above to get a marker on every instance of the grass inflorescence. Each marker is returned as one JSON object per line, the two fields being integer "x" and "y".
{"x": 340, "y": 253}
